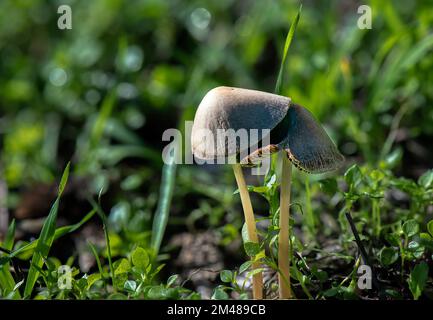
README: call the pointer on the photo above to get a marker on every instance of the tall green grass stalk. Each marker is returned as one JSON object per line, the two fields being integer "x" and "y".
{"x": 163, "y": 210}
{"x": 284, "y": 248}
{"x": 7, "y": 282}
{"x": 103, "y": 216}
{"x": 46, "y": 238}
{"x": 169, "y": 169}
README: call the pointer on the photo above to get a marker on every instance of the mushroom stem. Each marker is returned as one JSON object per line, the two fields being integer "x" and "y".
{"x": 251, "y": 227}
{"x": 283, "y": 240}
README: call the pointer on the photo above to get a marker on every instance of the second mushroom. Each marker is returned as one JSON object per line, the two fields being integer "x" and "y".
{"x": 292, "y": 129}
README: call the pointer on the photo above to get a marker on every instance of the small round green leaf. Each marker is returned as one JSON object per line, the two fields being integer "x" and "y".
{"x": 226, "y": 276}
{"x": 140, "y": 258}
{"x": 251, "y": 248}
{"x": 426, "y": 180}
{"x": 430, "y": 227}
{"x": 219, "y": 294}
{"x": 388, "y": 256}
{"x": 410, "y": 228}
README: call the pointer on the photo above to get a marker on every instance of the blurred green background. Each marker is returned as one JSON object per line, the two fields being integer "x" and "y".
{"x": 102, "y": 94}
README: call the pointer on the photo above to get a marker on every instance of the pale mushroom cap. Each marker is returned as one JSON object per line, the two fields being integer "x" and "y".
{"x": 225, "y": 108}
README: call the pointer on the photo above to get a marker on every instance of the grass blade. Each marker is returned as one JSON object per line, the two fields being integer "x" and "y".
{"x": 46, "y": 238}
{"x": 60, "y": 232}
{"x": 289, "y": 38}
{"x": 7, "y": 282}
{"x": 285, "y": 254}
{"x": 103, "y": 217}
{"x": 162, "y": 212}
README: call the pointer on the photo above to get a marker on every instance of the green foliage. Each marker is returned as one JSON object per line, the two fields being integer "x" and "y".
{"x": 289, "y": 39}
{"x": 418, "y": 278}
{"x": 370, "y": 88}
{"x": 46, "y": 239}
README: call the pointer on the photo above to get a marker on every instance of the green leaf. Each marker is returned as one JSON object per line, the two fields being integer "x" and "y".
{"x": 251, "y": 273}
{"x": 10, "y": 236}
{"x": 426, "y": 180}
{"x": 140, "y": 258}
{"x": 226, "y": 276}
{"x": 251, "y": 248}
{"x": 7, "y": 282}
{"x": 353, "y": 176}
{"x": 416, "y": 249}
{"x": 393, "y": 239}
{"x": 121, "y": 266}
{"x": 329, "y": 186}
{"x": 244, "y": 233}
{"x": 130, "y": 285}
{"x": 117, "y": 296}
{"x": 394, "y": 158}
{"x": 64, "y": 180}
{"x": 377, "y": 175}
{"x": 260, "y": 189}
{"x": 245, "y": 266}
{"x": 172, "y": 279}
{"x": 160, "y": 292}
{"x": 418, "y": 279}
{"x": 430, "y": 227}
{"x": 92, "y": 279}
{"x": 58, "y": 233}
{"x": 219, "y": 294}
{"x": 45, "y": 240}
{"x": 331, "y": 292}
{"x": 289, "y": 39}
{"x": 410, "y": 228}
{"x": 388, "y": 256}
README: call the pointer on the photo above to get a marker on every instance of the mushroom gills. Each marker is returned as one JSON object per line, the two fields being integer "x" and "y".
{"x": 307, "y": 144}
{"x": 255, "y": 159}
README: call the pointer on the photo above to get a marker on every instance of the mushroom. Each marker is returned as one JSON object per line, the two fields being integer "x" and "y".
{"x": 292, "y": 129}
{"x": 310, "y": 149}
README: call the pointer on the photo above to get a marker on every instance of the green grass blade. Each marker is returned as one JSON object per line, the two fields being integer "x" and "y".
{"x": 7, "y": 282}
{"x": 10, "y": 236}
{"x": 162, "y": 212}
{"x": 169, "y": 169}
{"x": 46, "y": 239}
{"x": 101, "y": 121}
{"x": 60, "y": 232}
{"x": 98, "y": 261}
{"x": 103, "y": 217}
{"x": 289, "y": 38}
{"x": 279, "y": 83}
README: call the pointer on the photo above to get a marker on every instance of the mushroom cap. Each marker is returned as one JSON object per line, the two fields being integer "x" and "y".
{"x": 292, "y": 128}
{"x": 225, "y": 108}
{"x": 307, "y": 144}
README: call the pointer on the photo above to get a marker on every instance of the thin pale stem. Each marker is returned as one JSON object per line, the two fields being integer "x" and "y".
{"x": 251, "y": 227}
{"x": 283, "y": 239}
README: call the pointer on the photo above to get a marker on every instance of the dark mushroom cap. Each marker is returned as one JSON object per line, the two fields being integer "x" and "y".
{"x": 307, "y": 144}
{"x": 293, "y": 129}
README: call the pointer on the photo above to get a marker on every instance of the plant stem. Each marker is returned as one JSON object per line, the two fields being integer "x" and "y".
{"x": 283, "y": 239}
{"x": 251, "y": 227}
